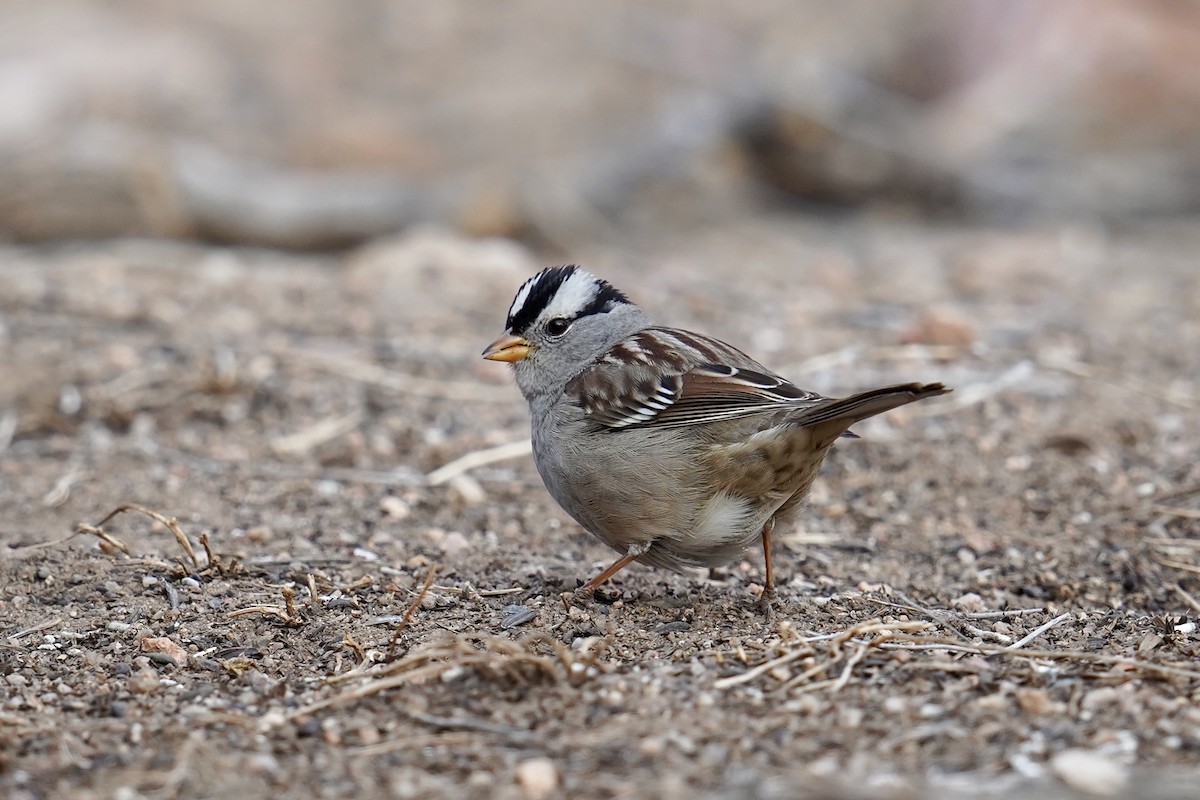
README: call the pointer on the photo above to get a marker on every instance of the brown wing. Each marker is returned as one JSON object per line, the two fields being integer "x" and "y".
{"x": 704, "y": 380}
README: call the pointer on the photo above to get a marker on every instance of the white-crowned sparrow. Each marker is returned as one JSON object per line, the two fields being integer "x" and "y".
{"x": 674, "y": 448}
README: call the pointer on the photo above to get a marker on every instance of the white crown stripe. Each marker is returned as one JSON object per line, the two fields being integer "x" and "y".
{"x": 522, "y": 295}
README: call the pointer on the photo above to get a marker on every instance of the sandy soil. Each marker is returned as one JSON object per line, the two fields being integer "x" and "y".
{"x": 990, "y": 593}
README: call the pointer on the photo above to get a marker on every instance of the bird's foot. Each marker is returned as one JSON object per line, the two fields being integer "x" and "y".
{"x": 766, "y": 602}
{"x": 581, "y": 595}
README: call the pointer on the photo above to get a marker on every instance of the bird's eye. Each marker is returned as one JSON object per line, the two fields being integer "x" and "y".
{"x": 558, "y": 326}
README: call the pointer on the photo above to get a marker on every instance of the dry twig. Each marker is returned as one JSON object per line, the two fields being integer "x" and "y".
{"x": 895, "y": 638}
{"x": 170, "y": 523}
{"x": 412, "y": 609}
{"x": 1185, "y": 513}
{"x": 41, "y": 626}
{"x": 1038, "y": 631}
{"x": 502, "y": 660}
{"x": 1187, "y": 598}
{"x": 307, "y": 440}
{"x": 287, "y": 613}
{"x": 480, "y": 458}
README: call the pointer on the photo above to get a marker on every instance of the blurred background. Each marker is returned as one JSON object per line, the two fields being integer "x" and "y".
{"x": 313, "y": 125}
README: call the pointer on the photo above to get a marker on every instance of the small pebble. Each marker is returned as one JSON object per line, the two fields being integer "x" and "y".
{"x": 453, "y": 543}
{"x": 1089, "y": 771}
{"x": 395, "y": 508}
{"x": 538, "y": 777}
{"x": 163, "y": 650}
{"x": 327, "y": 487}
{"x": 144, "y": 681}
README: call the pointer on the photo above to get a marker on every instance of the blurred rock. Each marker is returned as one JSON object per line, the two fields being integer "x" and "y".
{"x": 538, "y": 777}
{"x": 213, "y": 121}
{"x": 1089, "y": 771}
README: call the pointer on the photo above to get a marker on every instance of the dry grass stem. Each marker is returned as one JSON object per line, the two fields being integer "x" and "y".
{"x": 414, "y": 742}
{"x": 1185, "y": 513}
{"x": 1173, "y": 564}
{"x": 467, "y": 590}
{"x": 896, "y": 637}
{"x": 313, "y": 597}
{"x": 61, "y": 491}
{"x": 1038, "y": 631}
{"x": 835, "y": 640}
{"x": 41, "y": 626}
{"x": 1014, "y": 612}
{"x": 412, "y": 609}
{"x": 305, "y": 441}
{"x": 267, "y": 611}
{"x": 467, "y": 724}
{"x": 287, "y": 613}
{"x": 503, "y": 660}
{"x": 170, "y": 523}
{"x": 1187, "y": 598}
{"x": 480, "y": 458}
{"x": 105, "y": 538}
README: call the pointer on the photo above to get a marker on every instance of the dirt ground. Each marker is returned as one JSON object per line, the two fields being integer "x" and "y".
{"x": 993, "y": 593}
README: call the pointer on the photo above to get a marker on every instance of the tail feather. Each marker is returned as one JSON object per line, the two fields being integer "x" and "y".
{"x": 848, "y": 410}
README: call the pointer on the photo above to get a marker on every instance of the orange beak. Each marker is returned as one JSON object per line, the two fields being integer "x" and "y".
{"x": 507, "y": 348}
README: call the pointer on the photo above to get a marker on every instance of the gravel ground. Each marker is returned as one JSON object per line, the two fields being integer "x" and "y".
{"x": 992, "y": 593}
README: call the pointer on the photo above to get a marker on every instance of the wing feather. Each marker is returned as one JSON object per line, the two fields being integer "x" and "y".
{"x": 706, "y": 381}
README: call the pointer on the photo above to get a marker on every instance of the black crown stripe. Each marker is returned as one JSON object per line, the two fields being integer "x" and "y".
{"x": 546, "y": 284}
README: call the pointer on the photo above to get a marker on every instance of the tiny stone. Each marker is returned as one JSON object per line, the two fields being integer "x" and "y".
{"x": 651, "y": 746}
{"x": 395, "y": 508}
{"x": 327, "y": 488}
{"x": 453, "y": 543}
{"x": 1089, "y": 771}
{"x": 1035, "y": 701}
{"x": 309, "y": 727}
{"x": 538, "y": 777}
{"x": 969, "y": 602}
{"x": 144, "y": 681}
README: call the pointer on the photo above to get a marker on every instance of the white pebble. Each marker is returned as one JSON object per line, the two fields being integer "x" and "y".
{"x": 1088, "y": 771}
{"x": 394, "y": 507}
{"x": 538, "y": 777}
{"x": 454, "y": 542}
